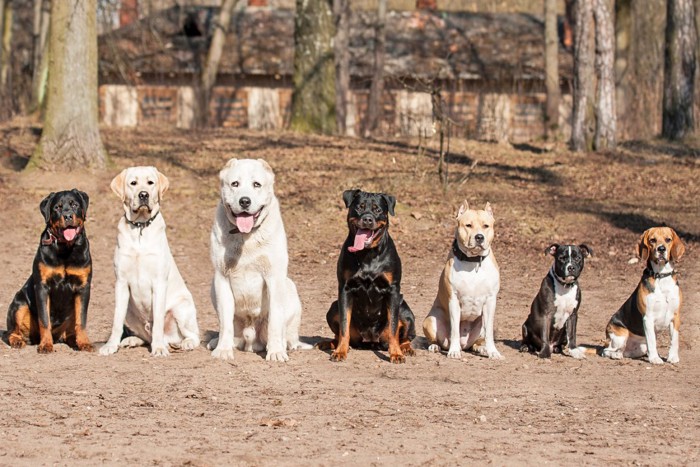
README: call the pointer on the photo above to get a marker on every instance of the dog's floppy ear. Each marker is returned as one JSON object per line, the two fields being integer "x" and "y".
{"x": 551, "y": 249}
{"x": 391, "y": 202}
{"x": 643, "y": 246}
{"x": 462, "y": 209}
{"x": 586, "y": 250}
{"x": 45, "y": 207}
{"x": 163, "y": 184}
{"x": 229, "y": 164}
{"x": 84, "y": 198}
{"x": 117, "y": 185}
{"x": 677, "y": 246}
{"x": 349, "y": 195}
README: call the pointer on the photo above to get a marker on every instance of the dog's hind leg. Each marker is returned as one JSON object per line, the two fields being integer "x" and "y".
{"x": 408, "y": 331}
{"x": 436, "y": 330}
{"x": 187, "y": 330}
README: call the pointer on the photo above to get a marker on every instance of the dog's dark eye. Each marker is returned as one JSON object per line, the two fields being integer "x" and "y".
{"x": 668, "y": 240}
{"x": 486, "y": 226}
{"x": 151, "y": 182}
{"x": 234, "y": 184}
{"x": 652, "y": 241}
{"x": 256, "y": 185}
{"x": 133, "y": 183}
{"x": 362, "y": 206}
{"x": 469, "y": 226}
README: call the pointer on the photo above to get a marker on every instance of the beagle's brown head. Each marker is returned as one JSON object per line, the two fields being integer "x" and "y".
{"x": 660, "y": 245}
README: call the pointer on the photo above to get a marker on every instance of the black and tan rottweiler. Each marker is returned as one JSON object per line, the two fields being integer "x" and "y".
{"x": 52, "y": 305}
{"x": 370, "y": 309}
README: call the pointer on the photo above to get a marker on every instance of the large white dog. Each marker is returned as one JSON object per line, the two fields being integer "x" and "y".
{"x": 152, "y": 303}
{"x": 257, "y": 304}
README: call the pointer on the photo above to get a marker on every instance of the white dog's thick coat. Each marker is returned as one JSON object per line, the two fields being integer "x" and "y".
{"x": 150, "y": 295}
{"x": 257, "y": 304}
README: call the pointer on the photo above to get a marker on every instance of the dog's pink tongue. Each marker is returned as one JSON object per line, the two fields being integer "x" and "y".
{"x": 360, "y": 238}
{"x": 245, "y": 222}
{"x": 70, "y": 233}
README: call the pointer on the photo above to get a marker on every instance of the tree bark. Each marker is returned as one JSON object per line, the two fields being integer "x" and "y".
{"x": 376, "y": 90}
{"x": 211, "y": 66}
{"x": 341, "y": 9}
{"x": 606, "y": 118}
{"x": 551, "y": 59}
{"x": 582, "y": 113}
{"x": 70, "y": 138}
{"x": 7, "y": 21}
{"x": 313, "y": 98}
{"x": 679, "y": 70}
{"x": 42, "y": 17}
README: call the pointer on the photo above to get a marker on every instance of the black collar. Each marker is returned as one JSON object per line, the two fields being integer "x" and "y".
{"x": 141, "y": 225}
{"x": 462, "y": 256}
{"x": 657, "y": 275}
{"x": 568, "y": 285}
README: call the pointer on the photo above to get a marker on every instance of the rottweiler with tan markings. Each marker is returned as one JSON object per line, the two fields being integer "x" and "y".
{"x": 370, "y": 310}
{"x": 52, "y": 305}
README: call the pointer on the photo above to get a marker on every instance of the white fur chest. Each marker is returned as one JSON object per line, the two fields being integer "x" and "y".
{"x": 474, "y": 284}
{"x": 565, "y": 302}
{"x": 663, "y": 302}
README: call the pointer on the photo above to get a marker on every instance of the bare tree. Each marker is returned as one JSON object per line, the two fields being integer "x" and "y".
{"x": 377, "y": 88}
{"x": 313, "y": 98}
{"x": 606, "y": 120}
{"x": 5, "y": 57}
{"x": 341, "y": 10}
{"x": 551, "y": 59}
{"x": 583, "y": 76}
{"x": 211, "y": 66}
{"x": 70, "y": 138}
{"x": 679, "y": 70}
{"x": 42, "y": 10}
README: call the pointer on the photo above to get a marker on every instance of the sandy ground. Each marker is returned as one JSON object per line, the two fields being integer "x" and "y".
{"x": 189, "y": 409}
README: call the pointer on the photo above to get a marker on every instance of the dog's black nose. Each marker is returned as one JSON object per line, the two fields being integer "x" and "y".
{"x": 570, "y": 268}
{"x": 479, "y": 238}
{"x": 244, "y": 202}
{"x": 143, "y": 196}
{"x": 68, "y": 217}
{"x": 661, "y": 249}
{"x": 367, "y": 222}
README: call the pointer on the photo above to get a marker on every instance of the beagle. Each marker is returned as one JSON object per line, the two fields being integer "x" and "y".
{"x": 655, "y": 304}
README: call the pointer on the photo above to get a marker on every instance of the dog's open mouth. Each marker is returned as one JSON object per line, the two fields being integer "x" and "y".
{"x": 245, "y": 221}
{"x": 363, "y": 239}
{"x": 69, "y": 233}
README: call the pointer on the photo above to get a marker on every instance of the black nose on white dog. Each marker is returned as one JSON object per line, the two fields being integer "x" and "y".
{"x": 244, "y": 202}
{"x": 479, "y": 238}
{"x": 143, "y": 196}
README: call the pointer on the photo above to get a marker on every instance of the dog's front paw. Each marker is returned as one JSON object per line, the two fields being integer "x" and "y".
{"x": 16, "y": 341}
{"x": 434, "y": 348}
{"x": 131, "y": 341}
{"x": 222, "y": 353}
{"x": 613, "y": 354}
{"x": 45, "y": 348}
{"x": 339, "y": 355}
{"x": 655, "y": 360}
{"x": 397, "y": 358}
{"x": 407, "y": 349}
{"x": 673, "y": 358}
{"x": 159, "y": 351}
{"x": 109, "y": 348}
{"x": 189, "y": 344}
{"x": 454, "y": 353}
{"x": 277, "y": 357}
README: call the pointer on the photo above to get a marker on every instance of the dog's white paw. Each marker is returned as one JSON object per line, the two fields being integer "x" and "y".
{"x": 614, "y": 354}
{"x": 222, "y": 353}
{"x": 576, "y": 353}
{"x": 434, "y": 348}
{"x": 131, "y": 341}
{"x": 300, "y": 346}
{"x": 656, "y": 360}
{"x": 491, "y": 353}
{"x": 277, "y": 357}
{"x": 159, "y": 351}
{"x": 189, "y": 343}
{"x": 673, "y": 358}
{"x": 454, "y": 353}
{"x": 109, "y": 348}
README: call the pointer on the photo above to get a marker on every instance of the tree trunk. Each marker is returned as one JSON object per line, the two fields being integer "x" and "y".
{"x": 582, "y": 112}
{"x": 679, "y": 70}
{"x": 70, "y": 138}
{"x": 313, "y": 99}
{"x": 211, "y": 66}
{"x": 42, "y": 17}
{"x": 7, "y": 21}
{"x": 606, "y": 118}
{"x": 341, "y": 9}
{"x": 376, "y": 90}
{"x": 551, "y": 59}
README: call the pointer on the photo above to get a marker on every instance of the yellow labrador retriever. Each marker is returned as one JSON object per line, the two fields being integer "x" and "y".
{"x": 257, "y": 303}
{"x": 152, "y": 303}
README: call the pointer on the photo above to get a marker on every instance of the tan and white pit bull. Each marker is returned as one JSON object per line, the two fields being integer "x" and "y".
{"x": 463, "y": 313}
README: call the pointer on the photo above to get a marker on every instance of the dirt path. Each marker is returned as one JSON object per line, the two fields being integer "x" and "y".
{"x": 72, "y": 408}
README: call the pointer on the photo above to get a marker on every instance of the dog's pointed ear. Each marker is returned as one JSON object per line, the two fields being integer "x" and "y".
{"x": 117, "y": 185}
{"x": 551, "y": 249}
{"x": 462, "y": 209}
{"x": 586, "y": 250}
{"x": 349, "y": 195}
{"x": 677, "y": 246}
{"x": 85, "y": 200}
{"x": 643, "y": 246}
{"x": 45, "y": 206}
{"x": 391, "y": 202}
{"x": 488, "y": 209}
{"x": 163, "y": 184}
